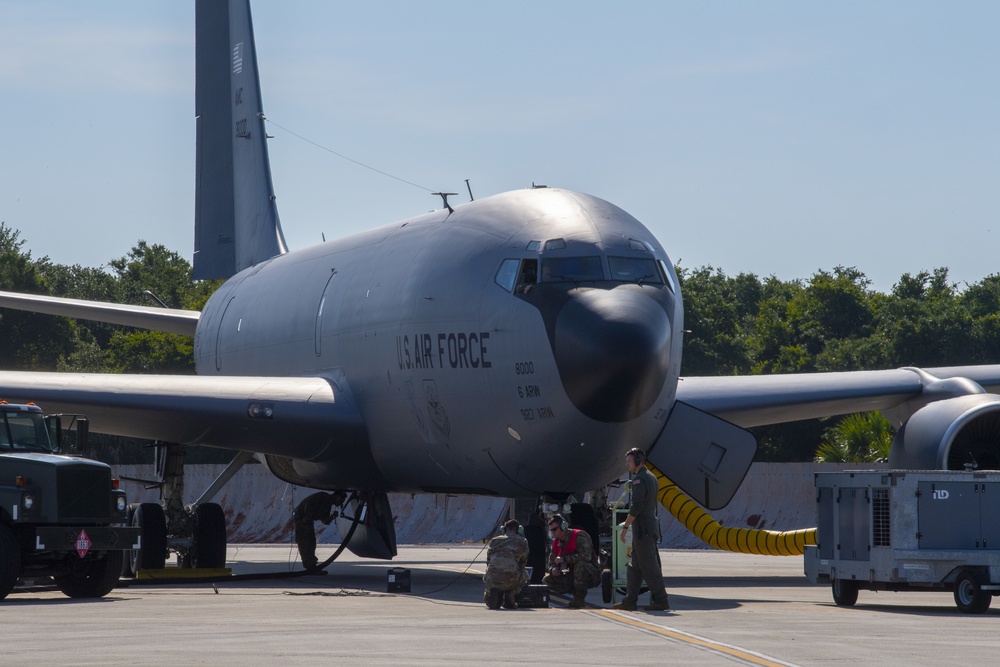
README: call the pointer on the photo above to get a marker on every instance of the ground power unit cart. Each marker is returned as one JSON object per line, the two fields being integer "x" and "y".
{"x": 899, "y": 530}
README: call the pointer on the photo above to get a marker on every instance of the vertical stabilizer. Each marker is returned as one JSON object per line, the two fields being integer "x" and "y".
{"x": 236, "y": 220}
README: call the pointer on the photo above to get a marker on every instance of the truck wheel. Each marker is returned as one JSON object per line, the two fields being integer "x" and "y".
{"x": 970, "y": 598}
{"x": 152, "y": 551}
{"x": 606, "y": 592}
{"x": 209, "y": 536}
{"x": 92, "y": 580}
{"x": 10, "y": 560}
{"x": 845, "y": 592}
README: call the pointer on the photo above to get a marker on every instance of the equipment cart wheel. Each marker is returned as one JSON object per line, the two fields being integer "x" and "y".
{"x": 969, "y": 594}
{"x": 845, "y": 592}
{"x": 606, "y": 588}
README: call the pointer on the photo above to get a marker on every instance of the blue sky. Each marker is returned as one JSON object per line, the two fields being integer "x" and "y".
{"x": 770, "y": 137}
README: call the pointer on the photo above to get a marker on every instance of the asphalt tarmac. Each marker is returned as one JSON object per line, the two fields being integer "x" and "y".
{"x": 726, "y": 609}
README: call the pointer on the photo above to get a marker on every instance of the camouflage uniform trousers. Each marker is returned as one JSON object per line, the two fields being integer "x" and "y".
{"x": 576, "y": 580}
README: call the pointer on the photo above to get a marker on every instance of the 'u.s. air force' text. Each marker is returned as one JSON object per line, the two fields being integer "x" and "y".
{"x": 443, "y": 350}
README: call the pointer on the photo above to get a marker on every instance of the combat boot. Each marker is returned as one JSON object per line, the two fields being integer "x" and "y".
{"x": 625, "y": 605}
{"x": 492, "y": 598}
{"x": 658, "y": 606}
{"x": 579, "y": 600}
{"x": 509, "y": 601}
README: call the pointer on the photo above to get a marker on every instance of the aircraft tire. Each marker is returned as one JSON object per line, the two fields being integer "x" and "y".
{"x": 93, "y": 580}
{"x": 583, "y": 517}
{"x": 10, "y": 560}
{"x": 209, "y": 536}
{"x": 970, "y": 598}
{"x": 536, "y": 552}
{"x": 152, "y": 524}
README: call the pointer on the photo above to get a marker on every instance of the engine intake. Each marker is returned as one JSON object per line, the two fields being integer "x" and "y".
{"x": 950, "y": 434}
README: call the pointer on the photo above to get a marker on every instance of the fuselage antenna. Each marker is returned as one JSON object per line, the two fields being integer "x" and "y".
{"x": 444, "y": 198}
{"x": 469, "y": 188}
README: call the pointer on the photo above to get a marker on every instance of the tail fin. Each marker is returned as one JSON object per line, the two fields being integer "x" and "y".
{"x": 236, "y": 220}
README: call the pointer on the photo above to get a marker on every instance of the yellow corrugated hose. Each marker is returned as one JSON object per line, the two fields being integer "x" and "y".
{"x": 714, "y": 534}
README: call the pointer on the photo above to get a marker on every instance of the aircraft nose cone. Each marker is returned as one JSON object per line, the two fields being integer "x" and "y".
{"x": 612, "y": 348}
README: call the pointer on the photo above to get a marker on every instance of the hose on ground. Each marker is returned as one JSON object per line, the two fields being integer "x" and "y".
{"x": 741, "y": 540}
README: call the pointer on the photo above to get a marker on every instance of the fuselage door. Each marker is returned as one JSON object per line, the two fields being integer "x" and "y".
{"x": 325, "y": 302}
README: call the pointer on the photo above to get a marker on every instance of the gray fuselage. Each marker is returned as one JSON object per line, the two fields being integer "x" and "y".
{"x": 523, "y": 343}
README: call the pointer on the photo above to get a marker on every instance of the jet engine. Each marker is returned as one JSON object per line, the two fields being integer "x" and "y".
{"x": 950, "y": 434}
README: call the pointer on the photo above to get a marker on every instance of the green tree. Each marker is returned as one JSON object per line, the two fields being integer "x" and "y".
{"x": 857, "y": 438}
{"x": 28, "y": 341}
{"x": 925, "y": 323}
{"x": 717, "y": 310}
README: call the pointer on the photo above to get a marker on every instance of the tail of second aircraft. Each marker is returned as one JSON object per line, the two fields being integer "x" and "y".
{"x": 236, "y": 220}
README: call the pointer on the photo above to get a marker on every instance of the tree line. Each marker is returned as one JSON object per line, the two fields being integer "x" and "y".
{"x": 833, "y": 321}
{"x": 736, "y": 325}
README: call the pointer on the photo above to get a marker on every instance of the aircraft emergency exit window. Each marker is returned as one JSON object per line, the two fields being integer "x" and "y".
{"x": 635, "y": 270}
{"x": 507, "y": 274}
{"x": 571, "y": 269}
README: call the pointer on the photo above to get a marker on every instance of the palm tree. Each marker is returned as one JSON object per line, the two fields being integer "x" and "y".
{"x": 857, "y": 438}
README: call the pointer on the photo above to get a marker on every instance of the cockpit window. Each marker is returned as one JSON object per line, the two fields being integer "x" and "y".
{"x": 527, "y": 276}
{"x": 635, "y": 270}
{"x": 571, "y": 269}
{"x": 507, "y": 274}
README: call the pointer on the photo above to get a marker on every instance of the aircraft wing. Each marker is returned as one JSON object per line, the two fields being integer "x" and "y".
{"x": 756, "y": 400}
{"x": 288, "y": 416}
{"x": 169, "y": 320}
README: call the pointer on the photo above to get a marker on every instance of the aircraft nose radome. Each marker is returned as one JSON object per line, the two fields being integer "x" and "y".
{"x": 612, "y": 349}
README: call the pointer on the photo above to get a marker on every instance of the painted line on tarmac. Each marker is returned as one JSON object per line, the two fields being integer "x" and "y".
{"x": 744, "y": 655}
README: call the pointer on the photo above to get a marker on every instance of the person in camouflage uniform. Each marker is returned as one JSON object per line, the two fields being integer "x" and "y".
{"x": 505, "y": 573}
{"x": 317, "y": 507}
{"x": 572, "y": 562}
{"x": 645, "y": 526}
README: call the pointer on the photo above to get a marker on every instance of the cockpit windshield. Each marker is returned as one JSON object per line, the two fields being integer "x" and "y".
{"x": 24, "y": 431}
{"x": 571, "y": 269}
{"x": 635, "y": 270}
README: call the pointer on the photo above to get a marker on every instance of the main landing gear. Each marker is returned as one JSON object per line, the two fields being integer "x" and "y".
{"x": 195, "y": 532}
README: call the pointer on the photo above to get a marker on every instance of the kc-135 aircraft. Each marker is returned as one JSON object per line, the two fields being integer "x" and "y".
{"x": 514, "y": 346}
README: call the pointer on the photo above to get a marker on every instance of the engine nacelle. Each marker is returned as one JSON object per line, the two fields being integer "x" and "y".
{"x": 950, "y": 434}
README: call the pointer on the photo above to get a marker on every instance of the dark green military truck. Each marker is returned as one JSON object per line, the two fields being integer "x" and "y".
{"x": 60, "y": 516}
